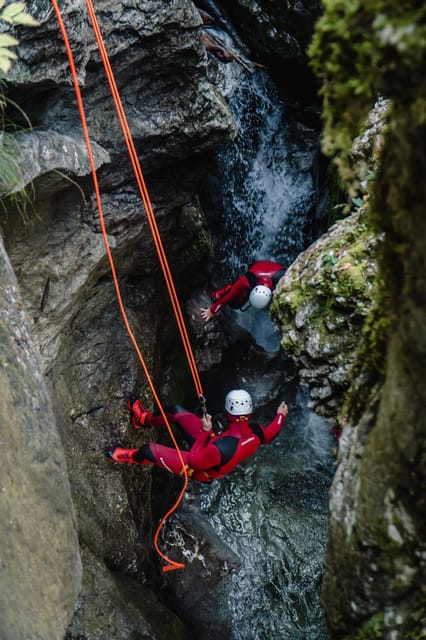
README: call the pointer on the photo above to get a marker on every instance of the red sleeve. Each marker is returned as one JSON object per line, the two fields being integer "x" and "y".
{"x": 273, "y": 428}
{"x": 203, "y": 455}
{"x": 239, "y": 287}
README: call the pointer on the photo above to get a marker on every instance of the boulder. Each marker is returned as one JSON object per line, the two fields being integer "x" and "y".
{"x": 320, "y": 305}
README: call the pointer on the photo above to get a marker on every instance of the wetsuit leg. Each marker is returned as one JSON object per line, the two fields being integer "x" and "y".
{"x": 167, "y": 458}
{"x": 144, "y": 455}
{"x": 162, "y": 456}
{"x": 188, "y": 423}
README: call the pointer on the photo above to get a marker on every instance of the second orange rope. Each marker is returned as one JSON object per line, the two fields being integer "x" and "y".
{"x": 171, "y": 564}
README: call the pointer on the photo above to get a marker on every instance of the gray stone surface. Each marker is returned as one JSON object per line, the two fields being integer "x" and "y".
{"x": 319, "y": 307}
{"x": 51, "y": 158}
{"x": 39, "y": 558}
{"x": 280, "y": 30}
{"x": 88, "y": 365}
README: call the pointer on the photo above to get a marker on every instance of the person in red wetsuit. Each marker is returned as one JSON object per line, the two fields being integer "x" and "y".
{"x": 254, "y": 287}
{"x": 211, "y": 455}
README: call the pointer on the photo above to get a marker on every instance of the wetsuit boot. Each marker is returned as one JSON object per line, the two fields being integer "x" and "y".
{"x": 123, "y": 455}
{"x": 132, "y": 456}
{"x": 138, "y": 412}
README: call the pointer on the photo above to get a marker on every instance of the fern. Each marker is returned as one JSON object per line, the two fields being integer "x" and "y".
{"x": 13, "y": 13}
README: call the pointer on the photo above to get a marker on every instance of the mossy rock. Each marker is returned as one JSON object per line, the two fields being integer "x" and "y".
{"x": 320, "y": 305}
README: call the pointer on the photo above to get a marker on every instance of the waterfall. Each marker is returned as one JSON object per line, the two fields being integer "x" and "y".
{"x": 266, "y": 197}
{"x": 260, "y": 198}
{"x": 273, "y": 511}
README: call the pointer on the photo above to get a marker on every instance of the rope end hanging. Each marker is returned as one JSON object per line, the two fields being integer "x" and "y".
{"x": 172, "y": 567}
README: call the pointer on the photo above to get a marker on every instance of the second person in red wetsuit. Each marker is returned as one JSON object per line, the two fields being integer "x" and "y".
{"x": 210, "y": 455}
{"x": 254, "y": 287}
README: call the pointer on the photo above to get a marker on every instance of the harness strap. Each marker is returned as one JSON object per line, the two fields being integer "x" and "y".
{"x": 190, "y": 472}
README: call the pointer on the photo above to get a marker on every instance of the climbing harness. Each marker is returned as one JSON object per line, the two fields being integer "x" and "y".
{"x": 171, "y": 564}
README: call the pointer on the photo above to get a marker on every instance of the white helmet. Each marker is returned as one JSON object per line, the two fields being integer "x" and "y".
{"x": 260, "y": 296}
{"x": 238, "y": 403}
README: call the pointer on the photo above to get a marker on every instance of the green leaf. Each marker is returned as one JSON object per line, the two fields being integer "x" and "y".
{"x": 7, "y": 41}
{"x": 2, "y": 3}
{"x": 5, "y": 65}
{"x": 6, "y": 53}
{"x": 26, "y": 19}
{"x": 12, "y": 9}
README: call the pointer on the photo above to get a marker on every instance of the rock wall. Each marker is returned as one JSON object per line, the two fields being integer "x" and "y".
{"x": 319, "y": 308}
{"x": 375, "y": 573}
{"x": 375, "y": 558}
{"x": 88, "y": 366}
{"x": 279, "y": 34}
{"x": 40, "y": 560}
{"x": 280, "y": 31}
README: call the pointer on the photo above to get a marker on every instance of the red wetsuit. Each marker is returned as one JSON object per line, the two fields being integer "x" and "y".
{"x": 210, "y": 456}
{"x": 236, "y": 295}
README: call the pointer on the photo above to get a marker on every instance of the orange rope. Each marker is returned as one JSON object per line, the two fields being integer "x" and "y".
{"x": 171, "y": 563}
{"x": 146, "y": 199}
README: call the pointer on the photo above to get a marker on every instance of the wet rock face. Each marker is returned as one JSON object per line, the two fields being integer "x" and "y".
{"x": 40, "y": 562}
{"x": 158, "y": 59}
{"x": 375, "y": 562}
{"x": 200, "y": 592}
{"x": 58, "y": 254}
{"x": 319, "y": 307}
{"x": 279, "y": 30}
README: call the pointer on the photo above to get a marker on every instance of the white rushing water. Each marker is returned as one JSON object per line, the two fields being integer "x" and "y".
{"x": 261, "y": 195}
{"x": 264, "y": 180}
{"x": 273, "y": 513}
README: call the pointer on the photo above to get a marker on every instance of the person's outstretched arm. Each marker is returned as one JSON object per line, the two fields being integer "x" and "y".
{"x": 239, "y": 287}
{"x": 276, "y": 425}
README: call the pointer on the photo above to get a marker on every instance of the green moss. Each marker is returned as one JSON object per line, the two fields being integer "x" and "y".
{"x": 370, "y": 364}
{"x": 341, "y": 277}
{"x": 293, "y": 299}
{"x": 352, "y": 41}
{"x": 415, "y": 624}
{"x": 340, "y": 288}
{"x": 362, "y": 48}
{"x": 373, "y": 629}
{"x": 407, "y": 622}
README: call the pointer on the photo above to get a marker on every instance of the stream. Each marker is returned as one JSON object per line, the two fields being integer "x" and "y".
{"x": 272, "y": 511}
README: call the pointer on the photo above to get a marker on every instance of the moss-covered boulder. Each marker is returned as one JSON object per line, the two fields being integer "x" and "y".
{"x": 319, "y": 308}
{"x": 375, "y": 568}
